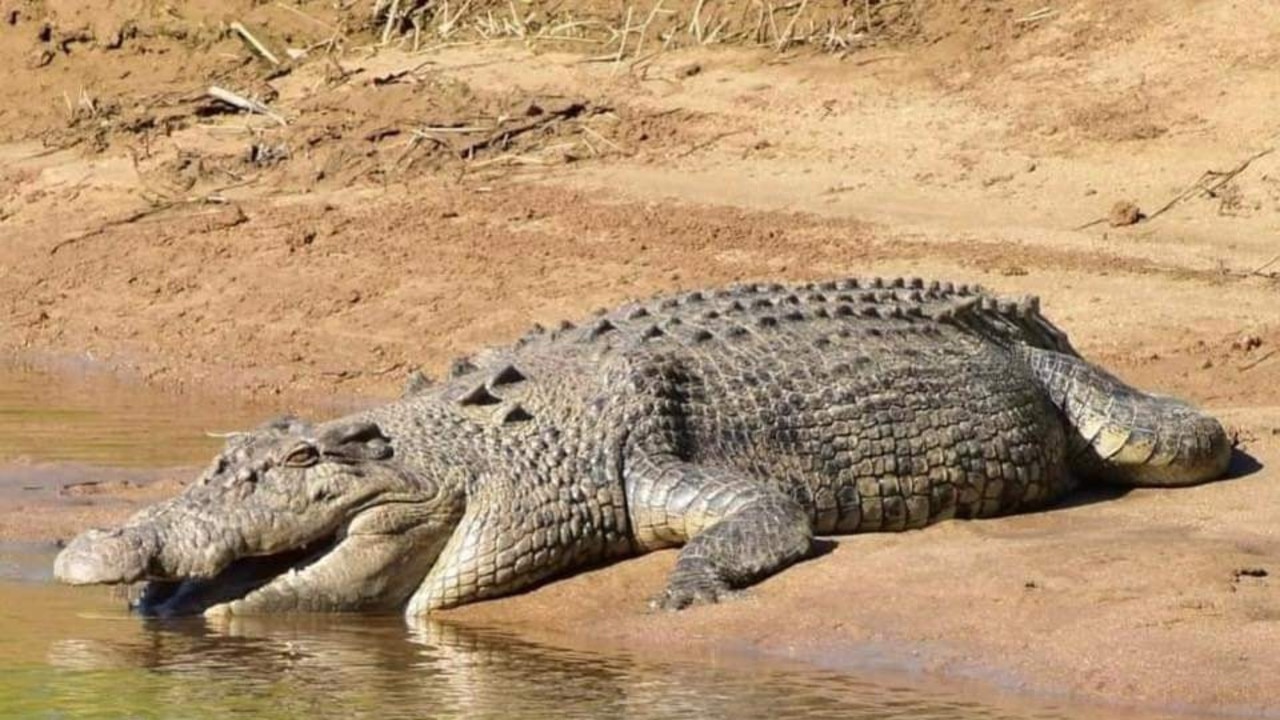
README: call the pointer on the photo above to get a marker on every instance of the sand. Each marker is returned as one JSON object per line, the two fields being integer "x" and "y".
{"x": 185, "y": 247}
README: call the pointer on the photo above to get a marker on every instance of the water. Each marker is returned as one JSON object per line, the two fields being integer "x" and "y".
{"x": 70, "y": 653}
{"x": 75, "y": 654}
{"x": 97, "y": 419}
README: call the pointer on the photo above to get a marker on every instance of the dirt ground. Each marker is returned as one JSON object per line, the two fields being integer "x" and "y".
{"x": 393, "y": 204}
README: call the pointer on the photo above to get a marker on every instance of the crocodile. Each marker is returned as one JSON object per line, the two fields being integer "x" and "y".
{"x": 738, "y": 424}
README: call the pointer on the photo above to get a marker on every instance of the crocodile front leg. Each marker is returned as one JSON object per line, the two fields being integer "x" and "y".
{"x": 381, "y": 559}
{"x": 363, "y": 573}
{"x": 514, "y": 536}
{"x": 735, "y": 531}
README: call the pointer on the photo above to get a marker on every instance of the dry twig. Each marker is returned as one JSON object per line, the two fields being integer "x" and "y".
{"x": 1258, "y": 270}
{"x": 244, "y": 103}
{"x": 1204, "y": 185}
{"x": 785, "y": 40}
{"x": 709, "y": 142}
{"x": 1209, "y": 182}
{"x": 1255, "y": 363}
{"x": 1043, "y": 13}
{"x": 214, "y": 197}
{"x": 255, "y": 44}
{"x": 503, "y": 135}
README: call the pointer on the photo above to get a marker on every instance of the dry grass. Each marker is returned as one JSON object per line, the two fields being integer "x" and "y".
{"x": 632, "y": 29}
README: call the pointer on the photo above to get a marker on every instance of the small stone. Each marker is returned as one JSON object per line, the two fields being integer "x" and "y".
{"x": 1124, "y": 213}
{"x": 1246, "y": 342}
{"x": 689, "y": 70}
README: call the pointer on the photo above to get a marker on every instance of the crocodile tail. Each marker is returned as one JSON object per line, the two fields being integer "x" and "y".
{"x": 1120, "y": 434}
{"x": 1008, "y": 323}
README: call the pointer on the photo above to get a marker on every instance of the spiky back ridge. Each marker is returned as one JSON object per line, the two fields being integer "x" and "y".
{"x": 814, "y": 311}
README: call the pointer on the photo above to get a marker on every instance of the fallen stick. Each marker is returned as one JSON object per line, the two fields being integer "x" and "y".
{"x": 213, "y": 197}
{"x": 244, "y": 103}
{"x": 449, "y": 129}
{"x": 571, "y": 110}
{"x": 1043, "y": 13}
{"x": 617, "y": 148}
{"x": 142, "y": 214}
{"x": 511, "y": 159}
{"x": 1258, "y": 270}
{"x": 1199, "y": 185}
{"x": 1259, "y": 361}
{"x": 708, "y": 143}
{"x": 1089, "y": 224}
{"x": 131, "y": 217}
{"x": 254, "y": 43}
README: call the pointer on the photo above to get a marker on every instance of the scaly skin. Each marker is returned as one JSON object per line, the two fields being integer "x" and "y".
{"x": 737, "y": 423}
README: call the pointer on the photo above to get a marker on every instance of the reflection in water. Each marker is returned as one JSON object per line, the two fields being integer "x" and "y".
{"x": 71, "y": 654}
{"x": 437, "y": 670}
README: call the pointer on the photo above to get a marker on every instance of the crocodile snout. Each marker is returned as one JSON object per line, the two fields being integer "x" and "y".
{"x": 102, "y": 557}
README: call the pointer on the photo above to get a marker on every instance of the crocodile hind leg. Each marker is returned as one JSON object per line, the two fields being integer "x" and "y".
{"x": 1123, "y": 435}
{"x": 734, "y": 531}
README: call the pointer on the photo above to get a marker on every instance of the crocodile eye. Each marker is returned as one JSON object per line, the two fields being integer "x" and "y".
{"x": 304, "y": 455}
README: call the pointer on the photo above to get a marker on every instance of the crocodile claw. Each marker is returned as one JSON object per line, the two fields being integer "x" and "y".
{"x": 683, "y": 595}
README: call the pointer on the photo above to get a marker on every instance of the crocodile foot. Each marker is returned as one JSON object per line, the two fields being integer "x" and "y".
{"x": 703, "y": 591}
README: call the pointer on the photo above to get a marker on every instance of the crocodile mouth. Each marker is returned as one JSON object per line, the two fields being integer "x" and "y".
{"x": 193, "y": 596}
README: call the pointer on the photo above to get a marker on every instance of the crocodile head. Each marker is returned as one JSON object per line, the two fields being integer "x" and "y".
{"x": 289, "y": 517}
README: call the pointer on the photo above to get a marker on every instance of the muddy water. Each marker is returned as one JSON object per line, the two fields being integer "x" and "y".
{"x": 75, "y": 653}
{"x": 69, "y": 653}
{"x": 80, "y": 446}
{"x": 82, "y": 415}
